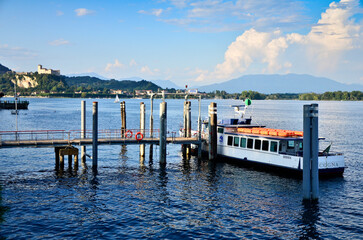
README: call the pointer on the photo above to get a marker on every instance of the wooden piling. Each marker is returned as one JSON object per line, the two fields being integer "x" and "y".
{"x": 83, "y": 132}
{"x": 95, "y": 136}
{"x": 163, "y": 130}
{"x": 56, "y": 151}
{"x": 199, "y": 129}
{"x": 142, "y": 129}
{"x": 123, "y": 118}
{"x": 187, "y": 127}
{"x": 212, "y": 131}
{"x": 311, "y": 153}
{"x": 151, "y": 126}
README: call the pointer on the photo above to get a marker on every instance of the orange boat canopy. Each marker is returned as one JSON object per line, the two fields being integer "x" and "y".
{"x": 272, "y": 132}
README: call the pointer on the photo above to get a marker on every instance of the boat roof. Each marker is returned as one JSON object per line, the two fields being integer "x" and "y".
{"x": 240, "y": 126}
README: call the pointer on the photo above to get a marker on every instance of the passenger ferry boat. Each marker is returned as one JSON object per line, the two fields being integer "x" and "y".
{"x": 242, "y": 141}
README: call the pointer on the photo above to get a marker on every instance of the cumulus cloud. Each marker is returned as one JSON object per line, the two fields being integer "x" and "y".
{"x": 334, "y": 34}
{"x": 83, "y": 12}
{"x": 113, "y": 66}
{"x": 59, "y": 42}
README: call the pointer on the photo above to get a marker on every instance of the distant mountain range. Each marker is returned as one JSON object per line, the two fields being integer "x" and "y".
{"x": 89, "y": 74}
{"x": 289, "y": 83}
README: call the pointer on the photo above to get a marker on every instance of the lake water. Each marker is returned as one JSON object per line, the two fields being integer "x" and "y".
{"x": 189, "y": 199}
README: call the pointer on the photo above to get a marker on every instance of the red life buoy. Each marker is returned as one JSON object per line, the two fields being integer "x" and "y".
{"x": 128, "y": 134}
{"x": 139, "y": 136}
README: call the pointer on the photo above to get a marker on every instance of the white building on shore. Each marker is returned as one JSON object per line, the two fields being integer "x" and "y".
{"x": 42, "y": 70}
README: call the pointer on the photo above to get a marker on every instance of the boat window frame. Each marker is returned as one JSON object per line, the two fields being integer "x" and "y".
{"x": 230, "y": 140}
{"x": 277, "y": 146}
{"x": 248, "y": 142}
{"x": 266, "y": 147}
{"x": 258, "y": 143}
{"x": 234, "y": 141}
{"x": 245, "y": 142}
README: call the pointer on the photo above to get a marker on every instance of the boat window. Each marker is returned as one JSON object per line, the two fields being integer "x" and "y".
{"x": 290, "y": 145}
{"x": 265, "y": 145}
{"x": 258, "y": 144}
{"x": 273, "y": 146}
{"x": 301, "y": 146}
{"x": 229, "y": 140}
{"x": 243, "y": 142}
{"x": 236, "y": 141}
{"x": 249, "y": 143}
{"x": 220, "y": 130}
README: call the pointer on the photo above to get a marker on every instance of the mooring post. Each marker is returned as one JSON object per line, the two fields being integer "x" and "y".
{"x": 83, "y": 132}
{"x": 188, "y": 127}
{"x": 151, "y": 125}
{"x": 123, "y": 118}
{"x": 163, "y": 129}
{"x": 95, "y": 135}
{"x": 199, "y": 129}
{"x": 142, "y": 129}
{"x": 311, "y": 153}
{"x": 56, "y": 151}
{"x": 212, "y": 131}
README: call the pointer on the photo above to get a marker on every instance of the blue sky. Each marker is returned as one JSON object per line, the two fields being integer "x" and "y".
{"x": 185, "y": 41}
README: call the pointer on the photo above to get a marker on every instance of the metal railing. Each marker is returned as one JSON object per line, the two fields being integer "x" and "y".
{"x": 34, "y": 136}
{"x": 37, "y": 135}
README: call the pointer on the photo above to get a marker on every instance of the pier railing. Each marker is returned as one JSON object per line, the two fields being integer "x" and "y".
{"x": 34, "y": 135}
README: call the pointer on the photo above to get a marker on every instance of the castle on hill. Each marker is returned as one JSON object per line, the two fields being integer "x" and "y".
{"x": 42, "y": 70}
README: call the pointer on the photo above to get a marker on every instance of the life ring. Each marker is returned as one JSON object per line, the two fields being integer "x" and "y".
{"x": 128, "y": 134}
{"x": 139, "y": 136}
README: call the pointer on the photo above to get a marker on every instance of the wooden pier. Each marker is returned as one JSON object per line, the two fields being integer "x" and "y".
{"x": 65, "y": 142}
{"x": 53, "y": 138}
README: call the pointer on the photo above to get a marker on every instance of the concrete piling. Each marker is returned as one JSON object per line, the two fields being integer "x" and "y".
{"x": 83, "y": 132}
{"x": 311, "y": 153}
{"x": 212, "y": 131}
{"x": 95, "y": 136}
{"x": 163, "y": 130}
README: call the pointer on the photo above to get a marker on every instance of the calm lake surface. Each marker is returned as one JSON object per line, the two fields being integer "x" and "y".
{"x": 189, "y": 199}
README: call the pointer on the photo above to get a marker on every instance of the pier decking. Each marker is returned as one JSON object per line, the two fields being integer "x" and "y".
{"x": 53, "y": 138}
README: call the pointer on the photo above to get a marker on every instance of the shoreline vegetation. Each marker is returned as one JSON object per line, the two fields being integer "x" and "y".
{"x": 54, "y": 86}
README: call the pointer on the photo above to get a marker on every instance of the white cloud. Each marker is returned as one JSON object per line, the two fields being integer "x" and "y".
{"x": 148, "y": 72}
{"x": 114, "y": 66}
{"x": 155, "y": 12}
{"x": 83, "y": 12}
{"x": 334, "y": 34}
{"x": 231, "y": 15}
{"x": 16, "y": 53}
{"x": 59, "y": 42}
{"x": 132, "y": 63}
{"x": 320, "y": 50}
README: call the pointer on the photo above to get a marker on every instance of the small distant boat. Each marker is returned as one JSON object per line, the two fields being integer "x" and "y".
{"x": 117, "y": 99}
